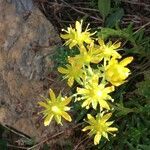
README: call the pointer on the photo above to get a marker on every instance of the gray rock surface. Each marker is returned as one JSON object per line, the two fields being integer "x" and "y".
{"x": 24, "y": 49}
{"x": 22, "y": 6}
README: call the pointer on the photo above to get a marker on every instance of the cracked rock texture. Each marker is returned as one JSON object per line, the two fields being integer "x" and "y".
{"x": 25, "y": 47}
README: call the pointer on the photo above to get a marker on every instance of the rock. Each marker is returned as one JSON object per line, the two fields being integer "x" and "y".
{"x": 3, "y": 114}
{"x": 22, "y": 6}
{"x": 24, "y": 49}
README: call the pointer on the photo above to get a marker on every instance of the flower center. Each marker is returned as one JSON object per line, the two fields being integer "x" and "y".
{"x": 55, "y": 109}
{"x": 96, "y": 93}
{"x": 99, "y": 93}
{"x": 101, "y": 127}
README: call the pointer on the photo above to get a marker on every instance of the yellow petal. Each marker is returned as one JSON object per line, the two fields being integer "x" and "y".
{"x": 70, "y": 81}
{"x": 126, "y": 61}
{"x": 101, "y": 42}
{"x": 65, "y": 36}
{"x": 91, "y": 118}
{"x": 43, "y": 104}
{"x": 94, "y": 104}
{"x": 58, "y": 119}
{"x": 66, "y": 101}
{"x": 86, "y": 103}
{"x": 109, "y": 123}
{"x": 87, "y": 128}
{"x": 72, "y": 44}
{"x": 66, "y": 116}
{"x": 112, "y": 129}
{"x": 52, "y": 95}
{"x": 105, "y": 135}
{"x": 97, "y": 138}
{"x": 117, "y": 45}
{"x": 117, "y": 83}
{"x": 67, "y": 42}
{"x": 66, "y": 108}
{"x": 106, "y": 117}
{"x": 82, "y": 49}
{"x": 78, "y": 26}
{"x": 62, "y": 70}
{"x": 82, "y": 91}
{"x": 88, "y": 40}
{"x": 48, "y": 119}
{"x": 110, "y": 89}
{"x": 104, "y": 104}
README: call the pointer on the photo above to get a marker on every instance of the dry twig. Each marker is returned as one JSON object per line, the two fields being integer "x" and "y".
{"x": 53, "y": 136}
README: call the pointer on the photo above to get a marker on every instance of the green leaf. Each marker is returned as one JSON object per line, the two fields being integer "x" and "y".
{"x": 29, "y": 142}
{"x": 130, "y": 145}
{"x": 122, "y": 111}
{"x": 126, "y": 34}
{"x": 144, "y": 147}
{"x": 46, "y": 147}
{"x": 1, "y": 130}
{"x": 81, "y": 115}
{"x": 3, "y": 144}
{"x": 143, "y": 88}
{"x": 114, "y": 18}
{"x": 104, "y": 7}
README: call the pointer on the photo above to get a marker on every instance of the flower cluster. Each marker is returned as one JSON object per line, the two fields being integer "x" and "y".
{"x": 94, "y": 84}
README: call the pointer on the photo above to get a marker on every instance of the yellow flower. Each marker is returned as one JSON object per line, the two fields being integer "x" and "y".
{"x": 99, "y": 126}
{"x": 109, "y": 50}
{"x": 90, "y": 54}
{"x": 76, "y": 36}
{"x": 116, "y": 72}
{"x": 55, "y": 108}
{"x": 87, "y": 56}
{"x": 94, "y": 93}
{"x": 76, "y": 60}
{"x": 72, "y": 72}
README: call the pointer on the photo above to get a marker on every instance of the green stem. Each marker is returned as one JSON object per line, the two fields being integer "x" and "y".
{"x": 104, "y": 65}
